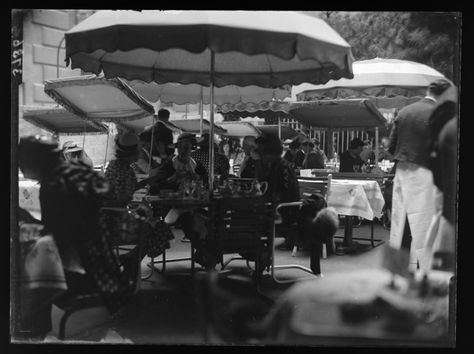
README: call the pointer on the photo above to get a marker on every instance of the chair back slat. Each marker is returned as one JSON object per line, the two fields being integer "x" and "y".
{"x": 243, "y": 223}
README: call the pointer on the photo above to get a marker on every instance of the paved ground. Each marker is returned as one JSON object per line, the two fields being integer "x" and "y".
{"x": 166, "y": 309}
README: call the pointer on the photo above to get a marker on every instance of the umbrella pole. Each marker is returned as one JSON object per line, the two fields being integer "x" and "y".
{"x": 376, "y": 146}
{"x": 151, "y": 145}
{"x": 279, "y": 128}
{"x": 84, "y": 137}
{"x": 211, "y": 126}
{"x": 106, "y": 148}
{"x": 201, "y": 112}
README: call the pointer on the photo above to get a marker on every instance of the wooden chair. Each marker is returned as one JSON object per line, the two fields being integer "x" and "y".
{"x": 164, "y": 260}
{"x": 236, "y": 169}
{"x": 244, "y": 225}
{"x": 71, "y": 303}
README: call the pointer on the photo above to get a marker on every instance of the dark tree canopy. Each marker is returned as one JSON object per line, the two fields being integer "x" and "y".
{"x": 431, "y": 38}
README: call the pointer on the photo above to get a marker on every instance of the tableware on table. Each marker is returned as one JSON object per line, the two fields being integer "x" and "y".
{"x": 259, "y": 188}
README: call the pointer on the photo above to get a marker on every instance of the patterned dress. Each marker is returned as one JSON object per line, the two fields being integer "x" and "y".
{"x": 124, "y": 227}
{"x": 221, "y": 163}
{"x": 70, "y": 202}
{"x": 122, "y": 180}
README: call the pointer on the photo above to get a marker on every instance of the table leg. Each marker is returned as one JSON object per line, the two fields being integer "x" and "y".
{"x": 348, "y": 231}
{"x": 347, "y": 245}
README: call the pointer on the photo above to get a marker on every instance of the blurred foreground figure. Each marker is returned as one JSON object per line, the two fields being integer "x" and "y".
{"x": 443, "y": 162}
{"x": 71, "y": 195}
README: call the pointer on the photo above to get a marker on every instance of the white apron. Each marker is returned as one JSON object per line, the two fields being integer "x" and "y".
{"x": 415, "y": 196}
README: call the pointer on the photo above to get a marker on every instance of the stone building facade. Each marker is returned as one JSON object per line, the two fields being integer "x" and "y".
{"x": 43, "y": 34}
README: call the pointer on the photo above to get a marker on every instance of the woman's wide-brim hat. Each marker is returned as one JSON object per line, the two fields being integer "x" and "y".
{"x": 127, "y": 142}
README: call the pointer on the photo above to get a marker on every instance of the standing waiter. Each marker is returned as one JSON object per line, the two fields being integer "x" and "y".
{"x": 415, "y": 197}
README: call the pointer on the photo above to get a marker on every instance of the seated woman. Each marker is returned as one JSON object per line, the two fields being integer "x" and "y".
{"x": 123, "y": 183}
{"x": 221, "y": 163}
{"x": 281, "y": 177}
{"x": 172, "y": 175}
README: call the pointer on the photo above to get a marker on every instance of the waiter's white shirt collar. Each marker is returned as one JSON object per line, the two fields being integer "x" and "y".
{"x": 431, "y": 98}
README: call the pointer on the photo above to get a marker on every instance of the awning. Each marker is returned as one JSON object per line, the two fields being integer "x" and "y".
{"x": 286, "y": 131}
{"x": 176, "y": 125}
{"x": 338, "y": 114}
{"x": 58, "y": 120}
{"x": 272, "y": 109}
{"x": 239, "y": 129}
{"x": 98, "y": 99}
{"x": 193, "y": 126}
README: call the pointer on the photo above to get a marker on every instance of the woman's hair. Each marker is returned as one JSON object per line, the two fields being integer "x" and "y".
{"x": 269, "y": 144}
{"x": 223, "y": 143}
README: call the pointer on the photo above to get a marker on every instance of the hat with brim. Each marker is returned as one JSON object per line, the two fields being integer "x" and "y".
{"x": 186, "y": 137}
{"x": 127, "y": 142}
{"x": 295, "y": 144}
{"x": 69, "y": 147}
{"x": 355, "y": 143}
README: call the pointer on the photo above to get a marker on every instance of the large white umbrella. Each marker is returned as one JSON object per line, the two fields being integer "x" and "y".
{"x": 211, "y": 48}
{"x": 388, "y": 83}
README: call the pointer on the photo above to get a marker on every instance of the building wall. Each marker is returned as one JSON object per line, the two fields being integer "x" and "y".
{"x": 43, "y": 31}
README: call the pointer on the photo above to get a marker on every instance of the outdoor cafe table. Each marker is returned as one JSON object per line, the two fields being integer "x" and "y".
{"x": 361, "y": 198}
{"x": 359, "y": 307}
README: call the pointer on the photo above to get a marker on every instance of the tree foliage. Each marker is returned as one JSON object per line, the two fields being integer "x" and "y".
{"x": 431, "y": 38}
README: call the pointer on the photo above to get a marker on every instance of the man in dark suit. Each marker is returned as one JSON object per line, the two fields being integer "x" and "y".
{"x": 415, "y": 199}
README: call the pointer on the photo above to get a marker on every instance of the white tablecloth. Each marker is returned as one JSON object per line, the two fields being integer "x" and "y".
{"x": 361, "y": 198}
{"x": 28, "y": 195}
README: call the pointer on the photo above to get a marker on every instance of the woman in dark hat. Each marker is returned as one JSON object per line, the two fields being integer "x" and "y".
{"x": 123, "y": 184}
{"x": 172, "y": 174}
{"x": 294, "y": 155}
{"x": 313, "y": 158}
{"x": 281, "y": 177}
{"x": 119, "y": 173}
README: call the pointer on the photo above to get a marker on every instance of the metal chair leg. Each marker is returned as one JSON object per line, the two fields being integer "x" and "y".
{"x": 372, "y": 233}
{"x": 62, "y": 324}
{"x": 151, "y": 270}
{"x": 286, "y": 266}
